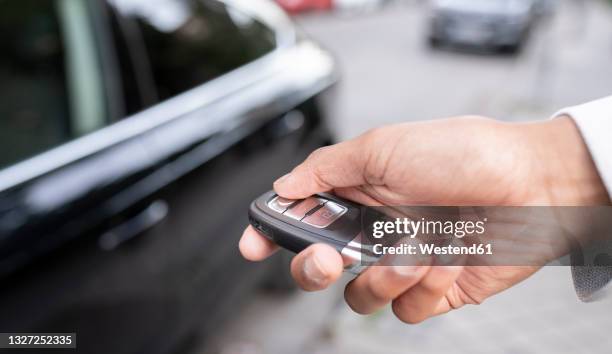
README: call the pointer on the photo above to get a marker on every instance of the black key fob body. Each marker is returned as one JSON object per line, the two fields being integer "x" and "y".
{"x": 297, "y": 224}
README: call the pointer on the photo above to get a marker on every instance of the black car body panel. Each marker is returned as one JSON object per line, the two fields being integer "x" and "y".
{"x": 128, "y": 235}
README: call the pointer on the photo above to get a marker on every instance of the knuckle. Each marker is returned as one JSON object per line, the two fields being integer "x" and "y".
{"x": 458, "y": 297}
{"x": 373, "y": 135}
{"x": 316, "y": 166}
{"x": 433, "y": 288}
{"x": 378, "y": 293}
{"x": 406, "y": 313}
{"x": 439, "y": 284}
{"x": 320, "y": 175}
{"x": 318, "y": 152}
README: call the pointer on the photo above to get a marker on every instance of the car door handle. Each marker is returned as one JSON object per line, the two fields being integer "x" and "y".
{"x": 288, "y": 124}
{"x": 141, "y": 222}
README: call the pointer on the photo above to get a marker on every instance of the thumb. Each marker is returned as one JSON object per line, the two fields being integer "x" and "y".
{"x": 335, "y": 166}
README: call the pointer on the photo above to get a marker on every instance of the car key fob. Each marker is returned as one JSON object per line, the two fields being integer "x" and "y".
{"x": 324, "y": 218}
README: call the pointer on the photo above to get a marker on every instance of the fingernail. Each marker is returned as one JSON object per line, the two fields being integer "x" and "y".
{"x": 283, "y": 178}
{"x": 313, "y": 271}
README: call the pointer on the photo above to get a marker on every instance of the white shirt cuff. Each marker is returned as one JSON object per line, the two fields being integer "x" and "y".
{"x": 594, "y": 120}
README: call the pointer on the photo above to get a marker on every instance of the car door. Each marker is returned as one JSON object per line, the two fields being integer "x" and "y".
{"x": 124, "y": 229}
{"x": 66, "y": 169}
{"x": 243, "y": 96}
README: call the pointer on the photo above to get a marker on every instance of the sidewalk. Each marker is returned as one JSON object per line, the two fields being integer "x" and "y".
{"x": 540, "y": 315}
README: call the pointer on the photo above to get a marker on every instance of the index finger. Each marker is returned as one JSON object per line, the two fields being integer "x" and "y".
{"x": 337, "y": 166}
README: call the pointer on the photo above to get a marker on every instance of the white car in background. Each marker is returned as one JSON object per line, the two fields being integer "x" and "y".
{"x": 495, "y": 24}
{"x": 357, "y": 6}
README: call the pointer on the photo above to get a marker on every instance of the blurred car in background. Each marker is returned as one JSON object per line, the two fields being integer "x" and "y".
{"x": 133, "y": 137}
{"x": 358, "y": 6}
{"x": 494, "y": 24}
{"x": 297, "y": 6}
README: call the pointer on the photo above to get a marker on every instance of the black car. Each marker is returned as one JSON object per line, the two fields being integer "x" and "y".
{"x": 134, "y": 135}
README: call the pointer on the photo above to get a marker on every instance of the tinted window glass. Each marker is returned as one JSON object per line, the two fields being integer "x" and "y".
{"x": 34, "y": 106}
{"x": 43, "y": 62}
{"x": 188, "y": 42}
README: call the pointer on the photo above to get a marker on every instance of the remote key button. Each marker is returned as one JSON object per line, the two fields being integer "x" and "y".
{"x": 323, "y": 217}
{"x": 300, "y": 210}
{"x": 280, "y": 204}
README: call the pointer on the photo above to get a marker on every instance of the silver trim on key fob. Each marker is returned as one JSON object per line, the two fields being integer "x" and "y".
{"x": 355, "y": 254}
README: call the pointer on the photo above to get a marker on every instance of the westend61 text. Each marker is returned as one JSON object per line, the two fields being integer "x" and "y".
{"x": 433, "y": 250}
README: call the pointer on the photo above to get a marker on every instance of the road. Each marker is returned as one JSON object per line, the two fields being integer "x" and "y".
{"x": 389, "y": 75}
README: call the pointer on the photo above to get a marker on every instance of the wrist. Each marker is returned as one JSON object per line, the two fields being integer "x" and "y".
{"x": 564, "y": 168}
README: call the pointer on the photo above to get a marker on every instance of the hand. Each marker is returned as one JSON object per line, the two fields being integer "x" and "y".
{"x": 461, "y": 161}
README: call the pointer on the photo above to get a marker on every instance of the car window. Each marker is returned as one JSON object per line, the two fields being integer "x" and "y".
{"x": 49, "y": 78}
{"x": 188, "y": 42}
